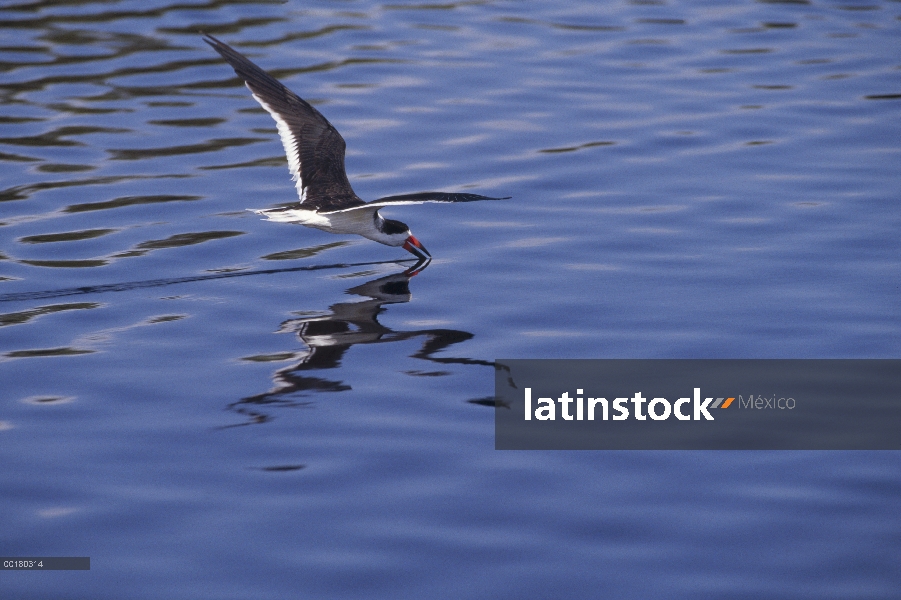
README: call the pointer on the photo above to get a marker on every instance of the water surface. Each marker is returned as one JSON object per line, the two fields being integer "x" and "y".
{"x": 211, "y": 406}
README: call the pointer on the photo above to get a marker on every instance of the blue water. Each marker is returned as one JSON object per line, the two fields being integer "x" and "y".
{"x": 211, "y": 406}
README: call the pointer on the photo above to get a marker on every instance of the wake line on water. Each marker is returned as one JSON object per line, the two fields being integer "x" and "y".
{"x": 134, "y": 285}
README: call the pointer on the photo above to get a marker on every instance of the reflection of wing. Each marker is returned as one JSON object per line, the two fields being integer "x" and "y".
{"x": 314, "y": 147}
{"x": 418, "y": 198}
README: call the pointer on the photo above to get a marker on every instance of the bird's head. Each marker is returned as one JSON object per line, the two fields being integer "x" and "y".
{"x": 396, "y": 233}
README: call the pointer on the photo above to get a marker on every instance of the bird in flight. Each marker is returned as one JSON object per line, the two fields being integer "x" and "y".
{"x": 315, "y": 152}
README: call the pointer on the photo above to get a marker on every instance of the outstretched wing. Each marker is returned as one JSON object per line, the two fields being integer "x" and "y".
{"x": 420, "y": 198}
{"x": 314, "y": 147}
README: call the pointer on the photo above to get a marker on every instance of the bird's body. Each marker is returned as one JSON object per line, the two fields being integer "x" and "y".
{"x": 367, "y": 223}
{"x": 315, "y": 152}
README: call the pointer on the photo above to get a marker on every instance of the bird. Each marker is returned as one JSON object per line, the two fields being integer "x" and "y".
{"x": 315, "y": 152}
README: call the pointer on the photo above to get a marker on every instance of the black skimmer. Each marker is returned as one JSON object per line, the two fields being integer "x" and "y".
{"x": 315, "y": 152}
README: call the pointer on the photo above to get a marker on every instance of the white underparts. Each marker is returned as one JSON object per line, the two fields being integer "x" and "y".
{"x": 362, "y": 221}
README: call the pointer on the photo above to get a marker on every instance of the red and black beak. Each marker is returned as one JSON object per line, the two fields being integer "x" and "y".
{"x": 413, "y": 246}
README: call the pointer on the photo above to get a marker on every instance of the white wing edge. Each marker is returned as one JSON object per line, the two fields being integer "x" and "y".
{"x": 289, "y": 142}
{"x": 377, "y": 204}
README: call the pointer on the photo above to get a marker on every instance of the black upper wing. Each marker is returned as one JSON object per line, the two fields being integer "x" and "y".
{"x": 417, "y": 198}
{"x": 420, "y": 197}
{"x": 314, "y": 147}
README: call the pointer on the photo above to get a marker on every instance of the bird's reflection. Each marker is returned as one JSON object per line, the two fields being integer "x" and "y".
{"x": 328, "y": 337}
